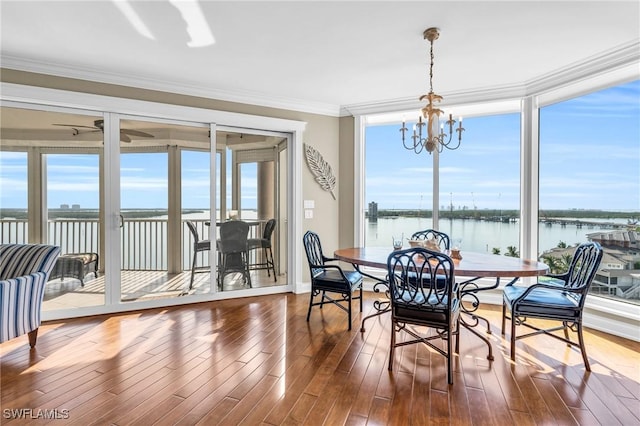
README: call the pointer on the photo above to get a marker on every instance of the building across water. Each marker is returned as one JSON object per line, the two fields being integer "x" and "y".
{"x": 619, "y": 273}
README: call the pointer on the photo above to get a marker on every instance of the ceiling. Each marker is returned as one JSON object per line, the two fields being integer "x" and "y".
{"x": 318, "y": 56}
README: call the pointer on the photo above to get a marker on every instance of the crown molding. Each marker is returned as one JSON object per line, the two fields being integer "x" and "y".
{"x": 468, "y": 97}
{"x": 623, "y": 63}
{"x": 624, "y": 57}
{"x": 144, "y": 82}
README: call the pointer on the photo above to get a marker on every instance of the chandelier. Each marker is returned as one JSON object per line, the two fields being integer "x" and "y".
{"x": 436, "y": 138}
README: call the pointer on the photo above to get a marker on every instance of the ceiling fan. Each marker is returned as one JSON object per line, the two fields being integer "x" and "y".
{"x": 98, "y": 126}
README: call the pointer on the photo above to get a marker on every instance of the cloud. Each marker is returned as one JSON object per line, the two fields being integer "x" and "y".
{"x": 143, "y": 183}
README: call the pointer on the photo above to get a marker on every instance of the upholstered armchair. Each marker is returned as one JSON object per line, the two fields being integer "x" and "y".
{"x": 24, "y": 271}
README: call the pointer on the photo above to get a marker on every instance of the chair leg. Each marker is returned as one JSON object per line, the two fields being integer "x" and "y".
{"x": 504, "y": 315}
{"x": 193, "y": 269}
{"x": 583, "y": 349}
{"x": 349, "y": 310}
{"x": 361, "y": 297}
{"x": 449, "y": 358}
{"x": 393, "y": 344}
{"x": 566, "y": 331}
{"x": 273, "y": 264}
{"x": 513, "y": 336}
{"x": 246, "y": 269}
{"x": 33, "y": 336}
{"x": 458, "y": 335}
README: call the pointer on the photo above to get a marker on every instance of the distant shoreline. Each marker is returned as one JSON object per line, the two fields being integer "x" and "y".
{"x": 509, "y": 214}
{"x": 386, "y": 213}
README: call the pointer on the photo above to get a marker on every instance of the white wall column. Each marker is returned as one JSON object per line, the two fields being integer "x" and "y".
{"x": 266, "y": 189}
{"x": 529, "y": 178}
{"x": 174, "y": 221}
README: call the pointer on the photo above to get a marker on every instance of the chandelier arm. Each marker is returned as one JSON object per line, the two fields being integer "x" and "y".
{"x": 413, "y": 146}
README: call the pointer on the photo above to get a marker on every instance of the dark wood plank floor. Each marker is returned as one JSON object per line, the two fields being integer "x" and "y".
{"x": 257, "y": 361}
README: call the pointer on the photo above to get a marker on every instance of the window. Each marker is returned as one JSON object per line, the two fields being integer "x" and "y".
{"x": 590, "y": 183}
{"x": 480, "y": 186}
{"x": 398, "y": 187}
{"x": 13, "y": 197}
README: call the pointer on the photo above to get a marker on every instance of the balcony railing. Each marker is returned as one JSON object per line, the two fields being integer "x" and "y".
{"x": 144, "y": 241}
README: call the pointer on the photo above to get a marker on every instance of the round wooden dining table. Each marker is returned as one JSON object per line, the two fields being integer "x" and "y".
{"x": 473, "y": 266}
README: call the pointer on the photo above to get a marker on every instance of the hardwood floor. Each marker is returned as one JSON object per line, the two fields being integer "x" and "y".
{"x": 257, "y": 361}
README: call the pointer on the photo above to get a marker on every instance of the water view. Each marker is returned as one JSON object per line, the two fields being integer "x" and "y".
{"x": 480, "y": 235}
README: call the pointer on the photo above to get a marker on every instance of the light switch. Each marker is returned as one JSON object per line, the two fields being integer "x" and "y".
{"x": 308, "y": 214}
{"x": 309, "y": 204}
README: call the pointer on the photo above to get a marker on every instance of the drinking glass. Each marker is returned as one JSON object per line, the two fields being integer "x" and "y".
{"x": 397, "y": 242}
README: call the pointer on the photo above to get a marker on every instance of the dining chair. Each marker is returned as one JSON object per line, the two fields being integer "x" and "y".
{"x": 198, "y": 247}
{"x": 265, "y": 245}
{"x": 560, "y": 299}
{"x": 414, "y": 301}
{"x": 233, "y": 251}
{"x": 442, "y": 239}
{"x": 328, "y": 278}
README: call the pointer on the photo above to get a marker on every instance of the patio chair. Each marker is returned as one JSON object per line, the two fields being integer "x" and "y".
{"x": 264, "y": 244}
{"x": 24, "y": 272}
{"x": 233, "y": 251}
{"x": 326, "y": 278}
{"x": 561, "y": 299}
{"x": 414, "y": 301}
{"x": 198, "y": 246}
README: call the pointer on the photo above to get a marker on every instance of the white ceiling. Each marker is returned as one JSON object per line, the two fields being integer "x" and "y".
{"x": 317, "y": 56}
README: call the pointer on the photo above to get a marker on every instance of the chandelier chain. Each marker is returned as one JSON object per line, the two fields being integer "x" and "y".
{"x": 431, "y": 69}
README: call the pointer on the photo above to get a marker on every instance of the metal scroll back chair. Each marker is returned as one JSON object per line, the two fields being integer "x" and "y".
{"x": 265, "y": 245}
{"x": 440, "y": 238}
{"x": 561, "y": 299}
{"x": 414, "y": 301}
{"x": 233, "y": 251}
{"x": 326, "y": 278}
{"x": 198, "y": 246}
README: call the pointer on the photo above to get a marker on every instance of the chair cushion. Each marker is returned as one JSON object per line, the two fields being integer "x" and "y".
{"x": 441, "y": 280}
{"x": 542, "y": 302}
{"x": 434, "y": 314}
{"x": 330, "y": 279}
{"x": 255, "y": 243}
{"x": 83, "y": 257}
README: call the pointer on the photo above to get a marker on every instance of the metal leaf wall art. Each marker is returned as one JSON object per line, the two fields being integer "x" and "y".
{"x": 320, "y": 169}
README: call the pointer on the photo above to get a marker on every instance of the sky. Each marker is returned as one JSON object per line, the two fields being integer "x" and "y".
{"x": 589, "y": 159}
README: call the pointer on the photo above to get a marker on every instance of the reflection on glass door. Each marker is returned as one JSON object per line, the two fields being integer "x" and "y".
{"x": 196, "y": 217}
{"x": 51, "y": 190}
{"x": 73, "y": 211}
{"x": 164, "y": 209}
{"x": 255, "y": 192}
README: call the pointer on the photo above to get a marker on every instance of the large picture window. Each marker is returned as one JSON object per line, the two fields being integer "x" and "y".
{"x": 398, "y": 187}
{"x": 479, "y": 186}
{"x": 590, "y": 185}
